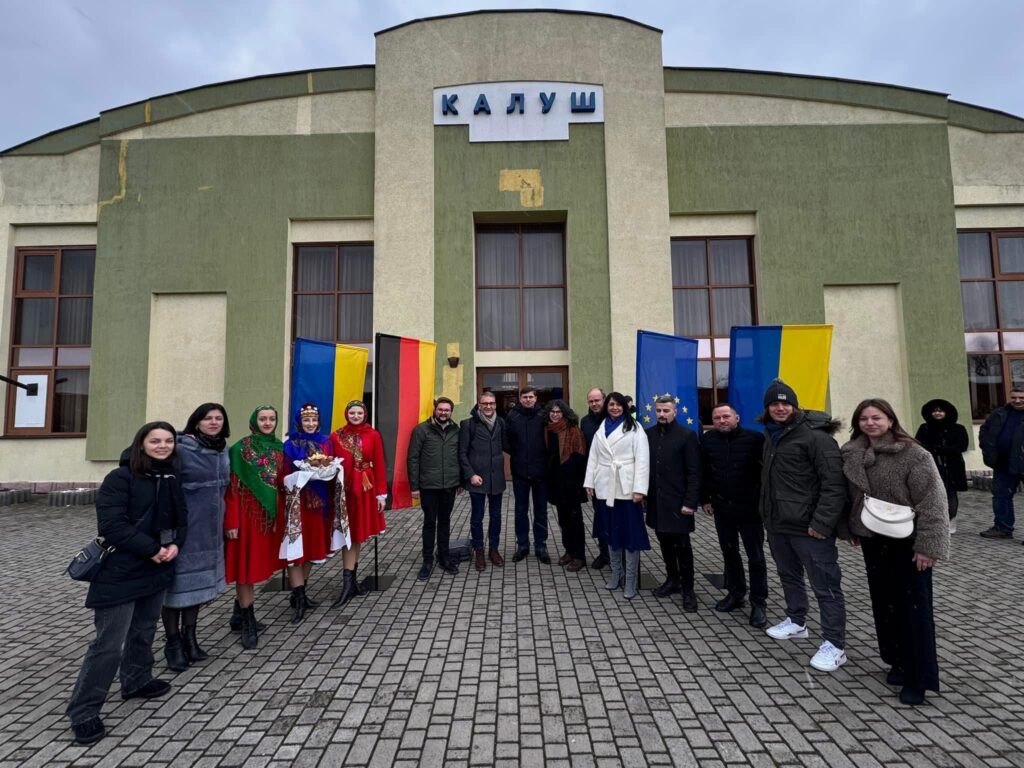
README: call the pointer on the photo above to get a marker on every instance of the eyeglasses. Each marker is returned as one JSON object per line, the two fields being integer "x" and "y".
{"x": 487, "y": 405}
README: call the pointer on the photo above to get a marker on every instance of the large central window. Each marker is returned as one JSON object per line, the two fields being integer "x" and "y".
{"x": 333, "y": 293}
{"x": 520, "y": 287}
{"x": 712, "y": 290}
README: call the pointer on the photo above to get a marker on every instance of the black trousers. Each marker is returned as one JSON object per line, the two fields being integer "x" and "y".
{"x": 751, "y": 533}
{"x": 953, "y": 501}
{"x": 901, "y": 601}
{"x": 570, "y": 520}
{"x": 678, "y": 554}
{"x": 437, "y": 521}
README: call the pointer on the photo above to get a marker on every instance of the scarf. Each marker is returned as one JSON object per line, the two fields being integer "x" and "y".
{"x": 610, "y": 424}
{"x": 774, "y": 429}
{"x": 351, "y": 438}
{"x": 570, "y": 439}
{"x": 213, "y": 442}
{"x": 165, "y": 514}
{"x": 489, "y": 421}
{"x": 254, "y": 460}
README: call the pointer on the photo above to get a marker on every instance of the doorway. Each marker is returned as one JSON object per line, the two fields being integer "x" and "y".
{"x": 550, "y": 382}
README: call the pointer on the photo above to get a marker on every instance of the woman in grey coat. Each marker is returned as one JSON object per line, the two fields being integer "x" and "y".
{"x": 199, "y": 576}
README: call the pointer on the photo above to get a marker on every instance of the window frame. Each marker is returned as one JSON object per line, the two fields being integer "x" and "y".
{"x": 520, "y": 286}
{"x": 709, "y": 286}
{"x": 50, "y": 371}
{"x": 337, "y": 293}
{"x": 997, "y": 278}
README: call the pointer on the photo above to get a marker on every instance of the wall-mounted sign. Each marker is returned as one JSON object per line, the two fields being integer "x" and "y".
{"x": 520, "y": 111}
{"x": 30, "y": 410}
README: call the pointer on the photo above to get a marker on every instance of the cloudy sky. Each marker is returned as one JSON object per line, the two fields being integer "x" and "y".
{"x": 66, "y": 60}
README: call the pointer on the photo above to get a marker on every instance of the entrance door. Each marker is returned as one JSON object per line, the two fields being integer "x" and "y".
{"x": 551, "y": 383}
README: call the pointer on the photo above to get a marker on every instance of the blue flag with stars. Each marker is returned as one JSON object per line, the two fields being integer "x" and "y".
{"x": 666, "y": 365}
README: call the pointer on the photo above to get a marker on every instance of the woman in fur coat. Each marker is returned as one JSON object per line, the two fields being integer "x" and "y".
{"x": 884, "y": 462}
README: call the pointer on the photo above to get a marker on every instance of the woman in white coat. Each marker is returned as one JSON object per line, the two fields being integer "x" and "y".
{"x": 618, "y": 469}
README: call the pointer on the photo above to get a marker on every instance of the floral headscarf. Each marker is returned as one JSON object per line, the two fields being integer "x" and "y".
{"x": 255, "y": 460}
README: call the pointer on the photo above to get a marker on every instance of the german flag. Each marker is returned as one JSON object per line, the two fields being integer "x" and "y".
{"x": 403, "y": 397}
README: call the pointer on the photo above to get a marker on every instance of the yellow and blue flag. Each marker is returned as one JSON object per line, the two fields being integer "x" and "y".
{"x": 797, "y": 354}
{"x": 328, "y": 375}
{"x": 666, "y": 365}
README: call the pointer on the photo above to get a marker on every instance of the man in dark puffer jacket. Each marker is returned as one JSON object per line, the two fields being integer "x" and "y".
{"x": 803, "y": 496}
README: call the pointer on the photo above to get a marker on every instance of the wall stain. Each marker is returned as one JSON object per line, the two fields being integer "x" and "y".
{"x": 524, "y": 181}
{"x": 452, "y": 378}
{"x": 122, "y": 179}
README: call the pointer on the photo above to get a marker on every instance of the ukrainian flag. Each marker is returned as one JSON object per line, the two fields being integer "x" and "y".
{"x": 329, "y": 376}
{"x": 797, "y": 354}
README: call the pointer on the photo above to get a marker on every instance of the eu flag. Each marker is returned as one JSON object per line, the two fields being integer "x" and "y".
{"x": 666, "y": 365}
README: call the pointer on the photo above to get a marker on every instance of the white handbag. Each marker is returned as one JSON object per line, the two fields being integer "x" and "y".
{"x": 893, "y": 520}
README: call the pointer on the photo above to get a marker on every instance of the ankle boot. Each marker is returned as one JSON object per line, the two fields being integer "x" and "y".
{"x": 191, "y": 645}
{"x": 175, "y": 654}
{"x": 236, "y": 620}
{"x": 615, "y": 577}
{"x": 310, "y": 604}
{"x": 298, "y": 603}
{"x": 632, "y": 570}
{"x": 348, "y": 588}
{"x": 250, "y": 635}
{"x": 358, "y": 590}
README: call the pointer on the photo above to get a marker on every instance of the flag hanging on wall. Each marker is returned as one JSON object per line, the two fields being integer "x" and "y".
{"x": 666, "y": 365}
{"x": 329, "y": 376}
{"x": 403, "y": 397}
{"x": 797, "y": 354}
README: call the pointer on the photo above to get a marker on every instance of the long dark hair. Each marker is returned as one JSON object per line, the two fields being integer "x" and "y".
{"x": 200, "y": 413}
{"x": 883, "y": 405}
{"x": 628, "y": 422}
{"x": 139, "y": 463}
{"x": 567, "y": 413}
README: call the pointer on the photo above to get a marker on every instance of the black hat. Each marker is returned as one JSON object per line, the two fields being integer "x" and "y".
{"x": 780, "y": 392}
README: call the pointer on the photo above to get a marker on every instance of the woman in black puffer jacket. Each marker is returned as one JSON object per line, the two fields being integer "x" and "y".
{"x": 140, "y": 511}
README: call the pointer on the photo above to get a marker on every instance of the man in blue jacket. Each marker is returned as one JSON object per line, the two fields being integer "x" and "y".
{"x": 524, "y": 436}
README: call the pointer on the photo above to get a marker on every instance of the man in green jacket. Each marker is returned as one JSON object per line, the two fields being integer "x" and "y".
{"x": 803, "y": 495}
{"x": 435, "y": 478}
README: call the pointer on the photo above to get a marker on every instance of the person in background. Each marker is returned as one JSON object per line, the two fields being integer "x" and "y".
{"x": 199, "y": 568}
{"x": 481, "y": 437}
{"x": 252, "y": 516}
{"x": 524, "y": 443}
{"x": 672, "y": 498}
{"x": 567, "y": 464}
{"x": 589, "y": 425}
{"x": 884, "y": 462}
{"x": 618, "y": 472}
{"x": 946, "y": 441}
{"x": 140, "y": 512}
{"x": 1001, "y": 440}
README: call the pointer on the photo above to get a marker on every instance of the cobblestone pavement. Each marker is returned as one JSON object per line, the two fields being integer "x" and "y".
{"x": 525, "y": 665}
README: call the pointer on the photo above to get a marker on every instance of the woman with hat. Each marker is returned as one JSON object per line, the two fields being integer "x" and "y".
{"x": 882, "y": 463}
{"x": 365, "y": 486}
{"x": 946, "y": 441}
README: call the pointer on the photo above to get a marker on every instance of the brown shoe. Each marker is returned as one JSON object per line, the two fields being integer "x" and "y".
{"x": 478, "y": 559}
{"x": 496, "y": 559}
{"x": 576, "y": 565}
{"x": 565, "y": 559}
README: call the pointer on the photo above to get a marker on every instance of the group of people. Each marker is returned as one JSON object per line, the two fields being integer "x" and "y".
{"x": 176, "y": 497}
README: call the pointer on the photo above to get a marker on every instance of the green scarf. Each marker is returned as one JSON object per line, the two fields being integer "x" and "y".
{"x": 255, "y": 460}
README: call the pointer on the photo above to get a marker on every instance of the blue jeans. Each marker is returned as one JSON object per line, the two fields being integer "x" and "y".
{"x": 124, "y": 641}
{"x": 522, "y": 488}
{"x": 1004, "y": 485}
{"x": 477, "y": 501}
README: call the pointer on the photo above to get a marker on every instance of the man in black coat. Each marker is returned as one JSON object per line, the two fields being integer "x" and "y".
{"x": 672, "y": 498}
{"x": 589, "y": 425}
{"x": 524, "y": 441}
{"x": 481, "y": 456}
{"x": 1001, "y": 440}
{"x": 730, "y": 459}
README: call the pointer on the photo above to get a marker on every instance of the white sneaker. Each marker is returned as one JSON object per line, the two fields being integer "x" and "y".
{"x": 787, "y": 630}
{"x": 952, "y": 525}
{"x": 828, "y": 658}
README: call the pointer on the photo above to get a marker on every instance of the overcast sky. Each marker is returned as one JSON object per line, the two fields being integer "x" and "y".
{"x": 63, "y": 61}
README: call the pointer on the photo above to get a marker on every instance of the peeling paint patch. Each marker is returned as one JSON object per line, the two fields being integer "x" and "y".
{"x": 122, "y": 179}
{"x": 206, "y": 188}
{"x": 148, "y": 112}
{"x": 452, "y": 378}
{"x": 309, "y": 82}
{"x": 524, "y": 181}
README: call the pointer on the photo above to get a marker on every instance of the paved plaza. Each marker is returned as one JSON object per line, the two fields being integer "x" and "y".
{"x": 525, "y": 665}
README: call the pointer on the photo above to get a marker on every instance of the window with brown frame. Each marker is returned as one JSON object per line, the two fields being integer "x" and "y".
{"x": 713, "y": 289}
{"x": 992, "y": 294}
{"x": 332, "y": 298}
{"x": 51, "y": 340}
{"x": 520, "y": 287}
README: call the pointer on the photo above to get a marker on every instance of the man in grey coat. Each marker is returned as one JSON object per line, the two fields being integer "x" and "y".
{"x": 483, "y": 471}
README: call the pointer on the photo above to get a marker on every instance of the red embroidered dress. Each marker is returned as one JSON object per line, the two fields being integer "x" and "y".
{"x": 362, "y": 459}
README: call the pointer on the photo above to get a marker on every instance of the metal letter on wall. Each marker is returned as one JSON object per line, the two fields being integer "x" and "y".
{"x": 517, "y": 123}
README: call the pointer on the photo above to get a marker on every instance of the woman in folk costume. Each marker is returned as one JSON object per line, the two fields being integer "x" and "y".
{"x": 252, "y": 519}
{"x": 309, "y": 518}
{"x": 618, "y": 470}
{"x": 365, "y": 488}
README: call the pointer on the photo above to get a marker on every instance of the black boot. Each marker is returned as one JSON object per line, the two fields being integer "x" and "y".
{"x": 250, "y": 635}
{"x": 348, "y": 588}
{"x": 191, "y": 645}
{"x": 310, "y": 604}
{"x": 236, "y": 620}
{"x": 359, "y": 589}
{"x": 298, "y": 603}
{"x": 175, "y": 654}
